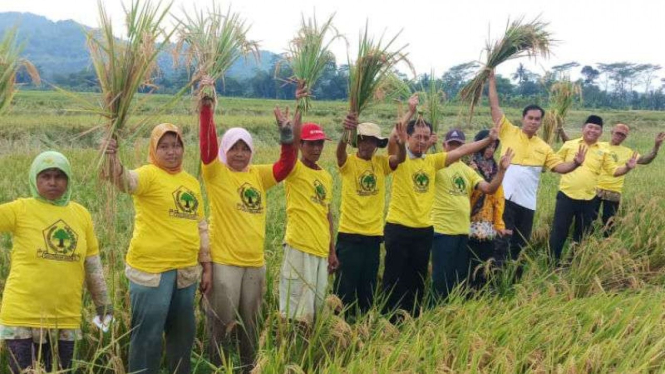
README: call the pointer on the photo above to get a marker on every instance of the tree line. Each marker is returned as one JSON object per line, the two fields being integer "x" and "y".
{"x": 619, "y": 85}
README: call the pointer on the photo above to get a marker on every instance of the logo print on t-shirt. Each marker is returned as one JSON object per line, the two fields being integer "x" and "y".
{"x": 459, "y": 185}
{"x": 615, "y": 157}
{"x": 420, "y": 181}
{"x": 60, "y": 241}
{"x": 186, "y": 203}
{"x": 319, "y": 193}
{"x": 367, "y": 184}
{"x": 251, "y": 199}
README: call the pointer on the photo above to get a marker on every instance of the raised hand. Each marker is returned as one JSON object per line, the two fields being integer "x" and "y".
{"x": 301, "y": 91}
{"x": 351, "y": 121}
{"x": 206, "y": 80}
{"x": 400, "y": 132}
{"x": 110, "y": 147}
{"x": 413, "y": 103}
{"x": 433, "y": 139}
{"x": 632, "y": 162}
{"x": 506, "y": 159}
{"x": 282, "y": 118}
{"x": 580, "y": 155}
{"x": 494, "y": 131}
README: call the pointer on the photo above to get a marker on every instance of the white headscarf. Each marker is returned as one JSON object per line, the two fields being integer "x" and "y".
{"x": 231, "y": 137}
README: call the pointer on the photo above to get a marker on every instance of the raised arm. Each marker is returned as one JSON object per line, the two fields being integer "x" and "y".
{"x": 289, "y": 138}
{"x": 491, "y": 187}
{"x": 400, "y": 156}
{"x": 630, "y": 165}
{"x": 469, "y": 148}
{"x": 497, "y": 113}
{"x": 350, "y": 123}
{"x": 207, "y": 133}
{"x": 393, "y": 139}
{"x": 564, "y": 136}
{"x": 646, "y": 159}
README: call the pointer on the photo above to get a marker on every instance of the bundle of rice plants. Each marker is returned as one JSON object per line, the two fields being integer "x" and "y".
{"x": 374, "y": 63}
{"x": 125, "y": 66}
{"x": 211, "y": 42}
{"x": 308, "y": 54}
{"x": 520, "y": 39}
{"x": 563, "y": 95}
{"x": 10, "y": 63}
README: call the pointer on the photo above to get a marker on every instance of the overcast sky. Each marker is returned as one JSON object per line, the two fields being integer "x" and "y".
{"x": 440, "y": 33}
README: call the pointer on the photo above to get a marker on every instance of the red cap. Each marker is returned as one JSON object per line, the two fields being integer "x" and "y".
{"x": 312, "y": 131}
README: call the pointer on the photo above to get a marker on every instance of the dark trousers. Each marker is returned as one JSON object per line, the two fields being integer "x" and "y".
{"x": 607, "y": 210}
{"x": 582, "y": 211}
{"x": 480, "y": 252}
{"x": 450, "y": 263}
{"x": 24, "y": 352}
{"x": 405, "y": 268}
{"x": 520, "y": 220}
{"x": 355, "y": 280}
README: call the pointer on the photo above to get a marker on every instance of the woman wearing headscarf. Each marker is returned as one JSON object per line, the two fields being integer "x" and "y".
{"x": 169, "y": 242}
{"x": 54, "y": 251}
{"x": 487, "y": 224}
{"x": 237, "y": 192}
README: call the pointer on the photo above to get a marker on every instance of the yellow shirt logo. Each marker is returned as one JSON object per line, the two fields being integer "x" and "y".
{"x": 459, "y": 185}
{"x": 420, "y": 181}
{"x": 251, "y": 199}
{"x": 367, "y": 184}
{"x": 60, "y": 241}
{"x": 319, "y": 193}
{"x": 186, "y": 204}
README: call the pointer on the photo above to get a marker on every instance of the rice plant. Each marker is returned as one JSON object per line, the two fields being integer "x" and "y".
{"x": 211, "y": 42}
{"x": 10, "y": 63}
{"x": 373, "y": 65}
{"x": 563, "y": 94}
{"x": 530, "y": 39}
{"x": 308, "y": 54}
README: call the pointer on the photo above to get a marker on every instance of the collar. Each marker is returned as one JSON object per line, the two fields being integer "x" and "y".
{"x": 412, "y": 156}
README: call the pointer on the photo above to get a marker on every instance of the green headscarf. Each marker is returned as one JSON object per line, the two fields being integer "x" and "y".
{"x": 50, "y": 160}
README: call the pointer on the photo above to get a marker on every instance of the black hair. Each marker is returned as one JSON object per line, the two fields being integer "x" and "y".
{"x": 533, "y": 107}
{"x": 410, "y": 128}
{"x": 596, "y": 120}
{"x": 482, "y": 134}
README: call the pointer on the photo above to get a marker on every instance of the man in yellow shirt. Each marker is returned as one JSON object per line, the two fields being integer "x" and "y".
{"x": 409, "y": 231}
{"x": 577, "y": 190}
{"x": 309, "y": 254}
{"x": 361, "y": 223}
{"x": 520, "y": 185}
{"x": 610, "y": 187}
{"x": 451, "y": 215}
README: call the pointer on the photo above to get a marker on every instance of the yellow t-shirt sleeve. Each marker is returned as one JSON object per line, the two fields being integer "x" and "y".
{"x": 440, "y": 160}
{"x": 209, "y": 171}
{"x": 552, "y": 159}
{"x": 473, "y": 177}
{"x": 8, "y": 213}
{"x": 345, "y": 168}
{"x": 266, "y": 176}
{"x": 505, "y": 128}
{"x": 499, "y": 206}
{"x": 385, "y": 164}
{"x": 145, "y": 176}
{"x": 90, "y": 237}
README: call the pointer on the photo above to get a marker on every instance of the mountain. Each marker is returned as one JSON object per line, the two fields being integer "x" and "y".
{"x": 59, "y": 48}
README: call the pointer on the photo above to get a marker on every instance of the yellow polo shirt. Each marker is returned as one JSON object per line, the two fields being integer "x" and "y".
{"x": 531, "y": 155}
{"x": 168, "y": 210}
{"x": 580, "y": 184}
{"x": 363, "y": 195}
{"x": 412, "y": 190}
{"x": 620, "y": 155}
{"x": 237, "y": 212}
{"x": 50, "y": 245}
{"x": 308, "y": 198}
{"x": 451, "y": 212}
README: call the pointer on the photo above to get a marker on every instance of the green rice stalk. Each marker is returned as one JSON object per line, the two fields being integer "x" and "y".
{"x": 125, "y": 66}
{"x": 434, "y": 101}
{"x": 563, "y": 95}
{"x": 10, "y": 63}
{"x": 309, "y": 53}
{"x": 211, "y": 42}
{"x": 521, "y": 39}
{"x": 392, "y": 88}
{"x": 373, "y": 65}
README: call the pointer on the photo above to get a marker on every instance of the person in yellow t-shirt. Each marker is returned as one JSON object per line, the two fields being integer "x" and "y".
{"x": 451, "y": 214}
{"x": 520, "y": 186}
{"x": 610, "y": 187}
{"x": 169, "y": 242}
{"x": 309, "y": 254}
{"x": 576, "y": 198}
{"x": 236, "y": 190}
{"x": 54, "y": 250}
{"x": 408, "y": 232}
{"x": 361, "y": 223}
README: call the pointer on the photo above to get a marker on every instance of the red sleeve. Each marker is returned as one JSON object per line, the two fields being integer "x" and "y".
{"x": 286, "y": 162}
{"x": 207, "y": 135}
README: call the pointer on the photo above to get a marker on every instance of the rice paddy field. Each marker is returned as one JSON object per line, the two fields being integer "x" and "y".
{"x": 604, "y": 312}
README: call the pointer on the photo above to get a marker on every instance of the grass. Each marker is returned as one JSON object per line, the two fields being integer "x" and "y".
{"x": 603, "y": 313}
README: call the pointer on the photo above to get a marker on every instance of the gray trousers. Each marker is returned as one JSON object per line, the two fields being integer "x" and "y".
{"x": 156, "y": 311}
{"x": 234, "y": 306}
